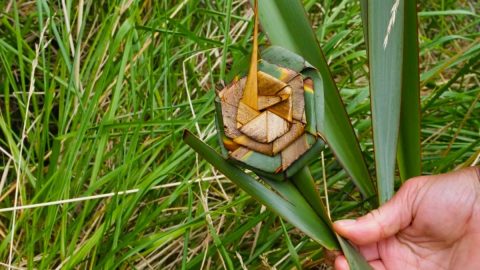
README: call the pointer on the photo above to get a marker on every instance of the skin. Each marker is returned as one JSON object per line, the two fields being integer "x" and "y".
{"x": 433, "y": 222}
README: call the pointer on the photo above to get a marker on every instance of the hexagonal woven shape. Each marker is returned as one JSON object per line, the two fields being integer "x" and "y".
{"x": 276, "y": 137}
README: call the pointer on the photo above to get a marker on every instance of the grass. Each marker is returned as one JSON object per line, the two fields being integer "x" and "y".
{"x": 94, "y": 99}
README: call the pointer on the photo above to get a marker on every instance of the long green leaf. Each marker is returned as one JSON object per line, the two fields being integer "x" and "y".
{"x": 303, "y": 179}
{"x": 355, "y": 260}
{"x": 305, "y": 184}
{"x": 408, "y": 155}
{"x": 296, "y": 210}
{"x": 385, "y": 50}
{"x": 286, "y": 25}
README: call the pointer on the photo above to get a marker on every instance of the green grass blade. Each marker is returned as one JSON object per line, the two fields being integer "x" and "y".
{"x": 287, "y": 26}
{"x": 217, "y": 241}
{"x": 364, "y": 15}
{"x": 408, "y": 155}
{"x": 291, "y": 248}
{"x": 385, "y": 60}
{"x": 447, "y": 13}
{"x": 296, "y": 211}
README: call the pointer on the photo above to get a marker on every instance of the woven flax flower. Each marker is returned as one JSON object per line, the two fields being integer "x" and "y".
{"x": 278, "y": 128}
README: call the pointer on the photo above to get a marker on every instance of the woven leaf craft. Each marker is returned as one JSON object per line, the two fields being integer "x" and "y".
{"x": 274, "y": 137}
{"x": 270, "y": 121}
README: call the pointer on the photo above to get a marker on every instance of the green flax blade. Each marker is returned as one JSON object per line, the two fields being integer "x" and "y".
{"x": 408, "y": 155}
{"x": 303, "y": 179}
{"x": 296, "y": 210}
{"x": 385, "y": 40}
{"x": 355, "y": 260}
{"x": 286, "y": 24}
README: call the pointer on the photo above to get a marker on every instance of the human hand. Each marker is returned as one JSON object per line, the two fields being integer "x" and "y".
{"x": 433, "y": 222}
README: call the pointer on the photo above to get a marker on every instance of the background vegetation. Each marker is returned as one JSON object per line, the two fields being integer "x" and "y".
{"x": 94, "y": 97}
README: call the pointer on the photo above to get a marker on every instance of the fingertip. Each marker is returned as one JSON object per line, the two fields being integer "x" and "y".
{"x": 345, "y": 223}
{"x": 361, "y": 231}
{"x": 341, "y": 263}
{"x": 376, "y": 225}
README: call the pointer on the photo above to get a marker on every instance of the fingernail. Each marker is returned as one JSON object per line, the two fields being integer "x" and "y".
{"x": 345, "y": 222}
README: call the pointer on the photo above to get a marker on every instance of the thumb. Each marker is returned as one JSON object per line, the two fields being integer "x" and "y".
{"x": 385, "y": 221}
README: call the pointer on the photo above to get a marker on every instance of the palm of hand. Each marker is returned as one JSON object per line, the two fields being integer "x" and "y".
{"x": 443, "y": 232}
{"x": 431, "y": 223}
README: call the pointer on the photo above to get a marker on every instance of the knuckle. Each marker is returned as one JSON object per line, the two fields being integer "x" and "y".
{"x": 376, "y": 217}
